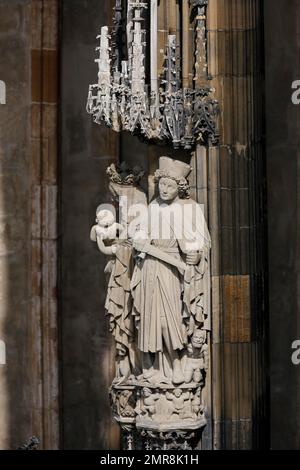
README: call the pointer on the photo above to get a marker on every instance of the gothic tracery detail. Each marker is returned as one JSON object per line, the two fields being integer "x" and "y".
{"x": 164, "y": 109}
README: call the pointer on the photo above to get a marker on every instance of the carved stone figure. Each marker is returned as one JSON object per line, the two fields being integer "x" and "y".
{"x": 149, "y": 403}
{"x": 166, "y": 284}
{"x": 180, "y": 404}
{"x": 118, "y": 299}
{"x": 197, "y": 407}
{"x": 157, "y": 304}
{"x": 126, "y": 404}
{"x": 197, "y": 360}
{"x": 123, "y": 403}
{"x": 105, "y": 230}
{"x": 112, "y": 240}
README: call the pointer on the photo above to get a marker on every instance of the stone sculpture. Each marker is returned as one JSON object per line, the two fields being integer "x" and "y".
{"x": 157, "y": 306}
{"x": 110, "y": 240}
{"x": 197, "y": 357}
{"x": 106, "y": 229}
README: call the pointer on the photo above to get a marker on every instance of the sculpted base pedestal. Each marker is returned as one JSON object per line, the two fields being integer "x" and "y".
{"x": 166, "y": 417}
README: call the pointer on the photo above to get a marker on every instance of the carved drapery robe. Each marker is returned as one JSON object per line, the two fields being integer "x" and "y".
{"x": 163, "y": 293}
{"x": 118, "y": 303}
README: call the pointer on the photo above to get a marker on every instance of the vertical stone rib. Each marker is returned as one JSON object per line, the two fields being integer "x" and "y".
{"x": 172, "y": 16}
{"x": 236, "y": 223}
{"x": 15, "y": 367}
{"x": 185, "y": 44}
{"x": 44, "y": 330}
{"x": 162, "y": 36}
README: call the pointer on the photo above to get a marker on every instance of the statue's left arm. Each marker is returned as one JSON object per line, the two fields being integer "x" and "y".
{"x": 106, "y": 250}
{"x": 195, "y": 245}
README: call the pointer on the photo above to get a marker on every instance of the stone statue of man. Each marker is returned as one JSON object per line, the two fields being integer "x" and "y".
{"x": 167, "y": 285}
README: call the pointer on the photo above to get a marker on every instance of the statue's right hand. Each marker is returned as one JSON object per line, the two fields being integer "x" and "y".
{"x": 141, "y": 245}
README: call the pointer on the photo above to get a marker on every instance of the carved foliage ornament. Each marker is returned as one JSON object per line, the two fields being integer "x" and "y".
{"x": 164, "y": 109}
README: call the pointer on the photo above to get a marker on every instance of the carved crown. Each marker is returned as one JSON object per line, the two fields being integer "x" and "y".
{"x": 173, "y": 168}
{"x": 124, "y": 175}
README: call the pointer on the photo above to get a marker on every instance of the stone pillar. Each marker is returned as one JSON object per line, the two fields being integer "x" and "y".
{"x": 15, "y": 377}
{"x": 235, "y": 190}
{"x": 28, "y": 155}
{"x": 43, "y": 332}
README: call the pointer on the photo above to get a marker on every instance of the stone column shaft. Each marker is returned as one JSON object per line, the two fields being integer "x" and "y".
{"x": 235, "y": 191}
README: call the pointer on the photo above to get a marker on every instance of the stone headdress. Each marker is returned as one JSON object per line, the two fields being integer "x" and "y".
{"x": 177, "y": 171}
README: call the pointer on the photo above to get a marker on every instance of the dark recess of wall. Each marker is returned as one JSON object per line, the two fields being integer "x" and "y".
{"x": 86, "y": 150}
{"x": 282, "y": 59}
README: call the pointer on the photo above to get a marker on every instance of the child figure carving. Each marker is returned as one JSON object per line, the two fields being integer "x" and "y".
{"x": 108, "y": 235}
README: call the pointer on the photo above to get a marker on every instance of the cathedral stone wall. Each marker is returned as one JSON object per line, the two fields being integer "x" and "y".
{"x": 15, "y": 387}
{"x": 282, "y": 62}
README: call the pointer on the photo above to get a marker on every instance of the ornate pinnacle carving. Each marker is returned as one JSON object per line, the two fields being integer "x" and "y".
{"x": 116, "y": 36}
{"x": 124, "y": 101}
{"x": 100, "y": 105}
{"x": 205, "y": 116}
{"x": 201, "y": 75}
